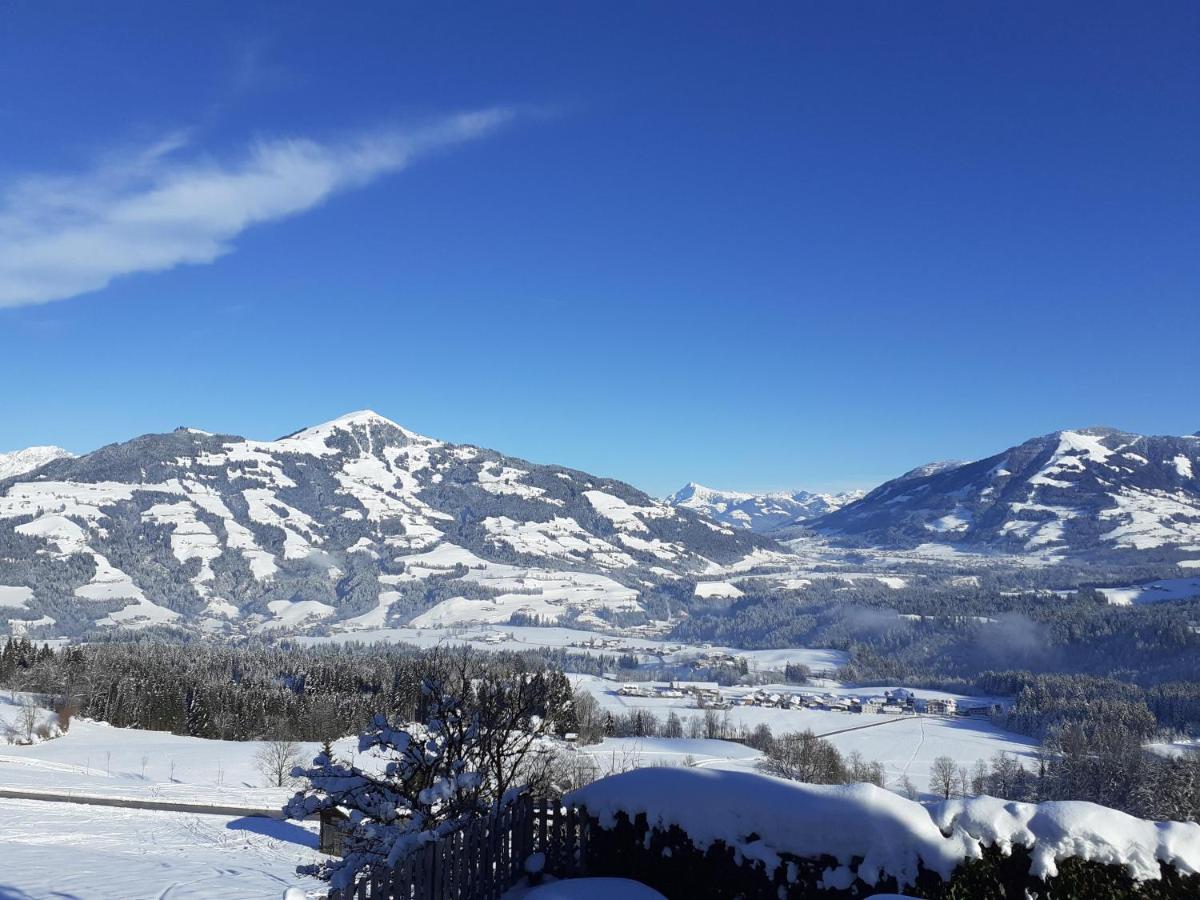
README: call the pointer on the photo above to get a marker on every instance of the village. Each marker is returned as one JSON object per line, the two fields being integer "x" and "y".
{"x": 894, "y": 701}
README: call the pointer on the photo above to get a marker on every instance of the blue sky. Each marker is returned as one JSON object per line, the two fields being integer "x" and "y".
{"x": 794, "y": 244}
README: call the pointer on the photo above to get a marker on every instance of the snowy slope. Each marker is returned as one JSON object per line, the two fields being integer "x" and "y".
{"x": 759, "y": 512}
{"x": 1095, "y": 490}
{"x": 56, "y": 849}
{"x": 21, "y": 461}
{"x": 356, "y": 523}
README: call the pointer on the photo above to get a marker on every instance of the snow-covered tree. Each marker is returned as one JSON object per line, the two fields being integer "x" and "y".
{"x": 412, "y": 784}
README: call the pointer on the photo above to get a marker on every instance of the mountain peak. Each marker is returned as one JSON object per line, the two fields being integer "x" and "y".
{"x": 364, "y": 418}
{"x": 693, "y": 490}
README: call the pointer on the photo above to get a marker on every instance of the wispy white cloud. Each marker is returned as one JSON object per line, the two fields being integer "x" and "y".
{"x": 154, "y": 209}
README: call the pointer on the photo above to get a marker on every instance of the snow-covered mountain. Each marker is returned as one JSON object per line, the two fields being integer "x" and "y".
{"x": 759, "y": 512}
{"x": 1095, "y": 490}
{"x": 21, "y": 461}
{"x": 357, "y": 522}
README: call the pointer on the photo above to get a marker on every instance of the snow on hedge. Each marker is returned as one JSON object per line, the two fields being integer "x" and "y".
{"x": 1056, "y": 830}
{"x": 891, "y": 835}
{"x": 761, "y": 817}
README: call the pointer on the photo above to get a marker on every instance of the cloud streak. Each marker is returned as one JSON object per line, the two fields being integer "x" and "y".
{"x": 150, "y": 211}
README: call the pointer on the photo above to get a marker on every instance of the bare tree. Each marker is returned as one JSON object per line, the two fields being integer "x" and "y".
{"x": 673, "y": 728}
{"x": 276, "y": 759}
{"x": 27, "y": 718}
{"x": 803, "y": 756}
{"x": 65, "y": 708}
{"x": 943, "y": 776}
{"x": 862, "y": 770}
{"x": 979, "y": 778}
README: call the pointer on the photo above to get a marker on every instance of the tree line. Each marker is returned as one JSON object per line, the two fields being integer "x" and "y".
{"x": 250, "y": 691}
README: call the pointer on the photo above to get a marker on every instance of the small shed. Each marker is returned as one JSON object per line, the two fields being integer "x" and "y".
{"x": 333, "y": 832}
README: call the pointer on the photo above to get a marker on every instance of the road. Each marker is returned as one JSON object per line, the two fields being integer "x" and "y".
{"x": 140, "y": 803}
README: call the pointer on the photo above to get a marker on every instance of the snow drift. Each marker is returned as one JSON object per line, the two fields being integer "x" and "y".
{"x": 873, "y": 833}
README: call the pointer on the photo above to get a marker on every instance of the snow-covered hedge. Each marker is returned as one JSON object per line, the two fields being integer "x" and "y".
{"x": 744, "y": 830}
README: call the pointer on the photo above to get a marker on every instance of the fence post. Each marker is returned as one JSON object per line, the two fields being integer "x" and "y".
{"x": 569, "y": 861}
{"x": 445, "y": 860}
{"x": 585, "y": 836}
{"x": 432, "y": 867}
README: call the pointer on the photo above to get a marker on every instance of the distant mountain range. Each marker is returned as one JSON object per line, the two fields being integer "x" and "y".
{"x": 1095, "y": 490}
{"x": 21, "y": 461}
{"x": 759, "y": 513}
{"x": 357, "y": 522}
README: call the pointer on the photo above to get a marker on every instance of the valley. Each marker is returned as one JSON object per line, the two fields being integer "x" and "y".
{"x": 703, "y": 631}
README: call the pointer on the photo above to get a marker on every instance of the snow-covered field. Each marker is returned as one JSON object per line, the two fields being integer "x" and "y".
{"x": 64, "y": 850}
{"x": 54, "y": 849}
{"x": 516, "y": 637}
{"x": 1154, "y": 592}
{"x": 905, "y": 745}
{"x": 97, "y": 759}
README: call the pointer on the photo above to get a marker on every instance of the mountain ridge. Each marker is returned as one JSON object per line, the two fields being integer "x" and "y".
{"x": 356, "y": 522}
{"x": 759, "y": 512}
{"x": 1078, "y": 491}
{"x": 18, "y": 462}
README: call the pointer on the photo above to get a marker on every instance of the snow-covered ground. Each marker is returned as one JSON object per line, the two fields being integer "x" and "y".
{"x": 906, "y": 745}
{"x": 515, "y": 637}
{"x": 53, "y": 849}
{"x": 586, "y": 889}
{"x": 621, "y": 754}
{"x": 1154, "y": 592}
{"x": 97, "y": 759}
{"x": 64, "y": 850}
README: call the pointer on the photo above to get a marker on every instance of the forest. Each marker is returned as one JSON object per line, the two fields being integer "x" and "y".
{"x": 253, "y": 691}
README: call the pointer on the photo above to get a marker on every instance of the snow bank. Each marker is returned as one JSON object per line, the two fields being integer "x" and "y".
{"x": 761, "y": 817}
{"x": 1054, "y": 831}
{"x": 593, "y": 889}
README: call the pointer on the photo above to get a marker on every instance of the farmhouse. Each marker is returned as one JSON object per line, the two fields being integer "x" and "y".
{"x": 696, "y": 687}
{"x": 982, "y": 710}
{"x": 936, "y": 706}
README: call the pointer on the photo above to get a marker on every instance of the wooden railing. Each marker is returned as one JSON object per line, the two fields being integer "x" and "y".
{"x": 485, "y": 858}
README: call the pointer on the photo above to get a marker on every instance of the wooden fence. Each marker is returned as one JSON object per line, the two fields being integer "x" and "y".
{"x": 485, "y": 858}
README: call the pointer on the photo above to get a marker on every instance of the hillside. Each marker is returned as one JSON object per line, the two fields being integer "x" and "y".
{"x": 1086, "y": 492}
{"x": 357, "y": 521}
